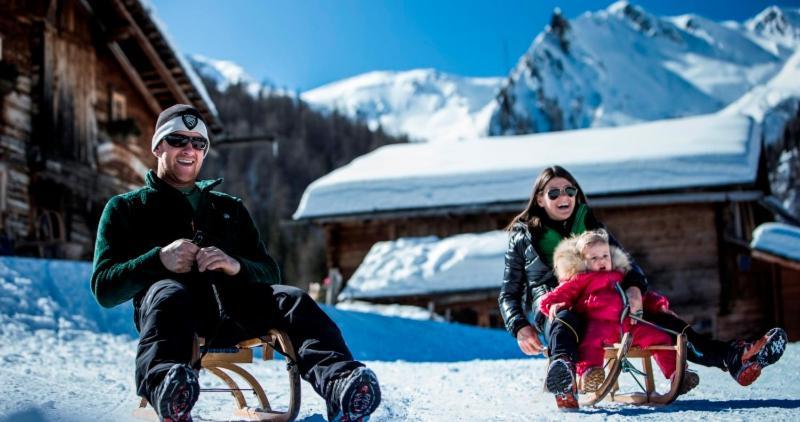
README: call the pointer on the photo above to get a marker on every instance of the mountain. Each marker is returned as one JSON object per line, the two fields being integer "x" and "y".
{"x": 424, "y": 103}
{"x": 623, "y": 65}
{"x": 225, "y": 73}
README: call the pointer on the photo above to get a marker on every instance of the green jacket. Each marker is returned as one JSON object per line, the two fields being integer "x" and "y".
{"x": 135, "y": 225}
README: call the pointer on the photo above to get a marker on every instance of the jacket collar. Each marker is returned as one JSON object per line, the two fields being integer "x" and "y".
{"x": 156, "y": 183}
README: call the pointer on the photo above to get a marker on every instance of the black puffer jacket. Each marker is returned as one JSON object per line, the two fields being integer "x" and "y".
{"x": 527, "y": 277}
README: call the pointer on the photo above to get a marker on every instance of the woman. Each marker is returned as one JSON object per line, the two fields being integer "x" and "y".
{"x": 557, "y": 209}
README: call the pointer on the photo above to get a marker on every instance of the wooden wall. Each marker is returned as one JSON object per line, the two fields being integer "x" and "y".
{"x": 677, "y": 246}
{"x": 61, "y": 161}
{"x": 685, "y": 249}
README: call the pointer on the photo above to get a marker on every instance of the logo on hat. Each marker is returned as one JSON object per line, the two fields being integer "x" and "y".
{"x": 189, "y": 120}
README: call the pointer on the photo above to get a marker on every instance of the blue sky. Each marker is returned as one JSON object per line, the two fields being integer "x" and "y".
{"x": 302, "y": 44}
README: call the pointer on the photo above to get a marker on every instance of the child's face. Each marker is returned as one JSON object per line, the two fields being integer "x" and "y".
{"x": 598, "y": 257}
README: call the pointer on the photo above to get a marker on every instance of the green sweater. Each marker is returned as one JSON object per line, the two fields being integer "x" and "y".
{"x": 135, "y": 225}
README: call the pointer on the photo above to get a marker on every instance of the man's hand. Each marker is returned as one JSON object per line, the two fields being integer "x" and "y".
{"x": 214, "y": 259}
{"x": 554, "y": 308}
{"x": 634, "y": 302}
{"x": 528, "y": 341}
{"x": 179, "y": 255}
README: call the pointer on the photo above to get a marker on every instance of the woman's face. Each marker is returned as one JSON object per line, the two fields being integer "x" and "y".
{"x": 560, "y": 208}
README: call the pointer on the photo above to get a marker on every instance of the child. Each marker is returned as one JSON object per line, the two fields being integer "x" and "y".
{"x": 588, "y": 269}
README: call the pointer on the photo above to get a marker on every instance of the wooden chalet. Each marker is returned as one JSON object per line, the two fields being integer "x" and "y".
{"x": 778, "y": 246}
{"x": 81, "y": 85}
{"x": 682, "y": 195}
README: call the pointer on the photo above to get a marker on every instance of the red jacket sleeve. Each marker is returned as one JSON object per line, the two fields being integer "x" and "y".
{"x": 567, "y": 292}
{"x": 653, "y": 302}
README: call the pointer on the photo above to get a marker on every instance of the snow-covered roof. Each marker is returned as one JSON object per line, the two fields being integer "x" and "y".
{"x": 425, "y": 265}
{"x": 712, "y": 150}
{"x": 777, "y": 239}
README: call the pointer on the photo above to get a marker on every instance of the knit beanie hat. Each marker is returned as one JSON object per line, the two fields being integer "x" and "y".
{"x": 176, "y": 118}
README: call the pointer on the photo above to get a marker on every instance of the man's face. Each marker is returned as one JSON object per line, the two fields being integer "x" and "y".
{"x": 598, "y": 256}
{"x": 179, "y": 166}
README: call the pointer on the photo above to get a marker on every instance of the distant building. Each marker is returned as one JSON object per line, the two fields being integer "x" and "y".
{"x": 682, "y": 195}
{"x": 81, "y": 84}
{"x": 779, "y": 246}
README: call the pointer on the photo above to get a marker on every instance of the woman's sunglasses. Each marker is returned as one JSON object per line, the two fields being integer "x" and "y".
{"x": 179, "y": 141}
{"x": 554, "y": 193}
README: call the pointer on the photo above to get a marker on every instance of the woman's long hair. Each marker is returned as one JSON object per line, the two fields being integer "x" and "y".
{"x": 533, "y": 213}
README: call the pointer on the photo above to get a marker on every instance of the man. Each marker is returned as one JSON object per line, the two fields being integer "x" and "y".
{"x": 193, "y": 262}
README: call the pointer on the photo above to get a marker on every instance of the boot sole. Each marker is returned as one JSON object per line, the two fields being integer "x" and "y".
{"x": 561, "y": 382}
{"x": 183, "y": 393}
{"x": 690, "y": 381}
{"x": 764, "y": 352}
{"x": 593, "y": 380}
{"x": 363, "y": 397}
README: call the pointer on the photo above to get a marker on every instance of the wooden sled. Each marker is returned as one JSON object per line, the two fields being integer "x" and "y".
{"x": 616, "y": 362}
{"x": 222, "y": 363}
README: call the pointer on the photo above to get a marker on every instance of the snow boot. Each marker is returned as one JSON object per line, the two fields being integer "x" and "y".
{"x": 561, "y": 382}
{"x": 591, "y": 380}
{"x": 174, "y": 397}
{"x": 690, "y": 380}
{"x": 354, "y": 396}
{"x": 746, "y": 360}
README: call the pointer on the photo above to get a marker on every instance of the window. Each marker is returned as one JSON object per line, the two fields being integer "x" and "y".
{"x": 119, "y": 106}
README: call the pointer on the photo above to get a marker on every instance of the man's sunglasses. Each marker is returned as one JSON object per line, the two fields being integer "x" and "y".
{"x": 179, "y": 141}
{"x": 554, "y": 193}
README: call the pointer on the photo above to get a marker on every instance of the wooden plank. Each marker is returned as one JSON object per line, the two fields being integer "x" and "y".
{"x": 134, "y": 77}
{"x": 155, "y": 59}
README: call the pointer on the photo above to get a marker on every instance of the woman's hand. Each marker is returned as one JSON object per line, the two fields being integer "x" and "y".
{"x": 634, "y": 302}
{"x": 528, "y": 341}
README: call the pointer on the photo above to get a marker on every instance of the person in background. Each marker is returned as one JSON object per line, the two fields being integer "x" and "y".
{"x": 588, "y": 271}
{"x": 557, "y": 209}
{"x": 194, "y": 264}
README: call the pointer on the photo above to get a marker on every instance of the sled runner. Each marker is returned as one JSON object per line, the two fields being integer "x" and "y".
{"x": 617, "y": 361}
{"x": 224, "y": 362}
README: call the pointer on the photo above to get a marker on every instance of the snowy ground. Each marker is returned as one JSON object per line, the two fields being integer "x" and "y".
{"x": 429, "y": 371}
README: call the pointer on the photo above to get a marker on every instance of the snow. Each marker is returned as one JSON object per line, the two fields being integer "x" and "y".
{"x": 705, "y": 151}
{"x": 392, "y": 310}
{"x": 426, "y": 104}
{"x": 76, "y": 363}
{"x": 778, "y": 239}
{"x": 424, "y": 265}
{"x": 774, "y": 103}
{"x": 225, "y": 73}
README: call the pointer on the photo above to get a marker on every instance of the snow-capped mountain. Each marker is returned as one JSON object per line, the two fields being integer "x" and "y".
{"x": 776, "y": 29}
{"x": 225, "y": 73}
{"x": 424, "y": 103}
{"x": 623, "y": 65}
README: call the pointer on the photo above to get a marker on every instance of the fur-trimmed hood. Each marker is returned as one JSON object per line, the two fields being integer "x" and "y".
{"x": 567, "y": 260}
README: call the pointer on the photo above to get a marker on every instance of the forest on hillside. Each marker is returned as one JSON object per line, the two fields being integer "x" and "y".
{"x": 270, "y": 176}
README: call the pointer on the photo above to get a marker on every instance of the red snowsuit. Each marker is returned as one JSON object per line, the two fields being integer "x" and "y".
{"x": 593, "y": 294}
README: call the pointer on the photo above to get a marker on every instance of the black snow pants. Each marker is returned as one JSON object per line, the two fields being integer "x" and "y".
{"x": 170, "y": 315}
{"x": 702, "y": 350}
{"x": 563, "y": 334}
